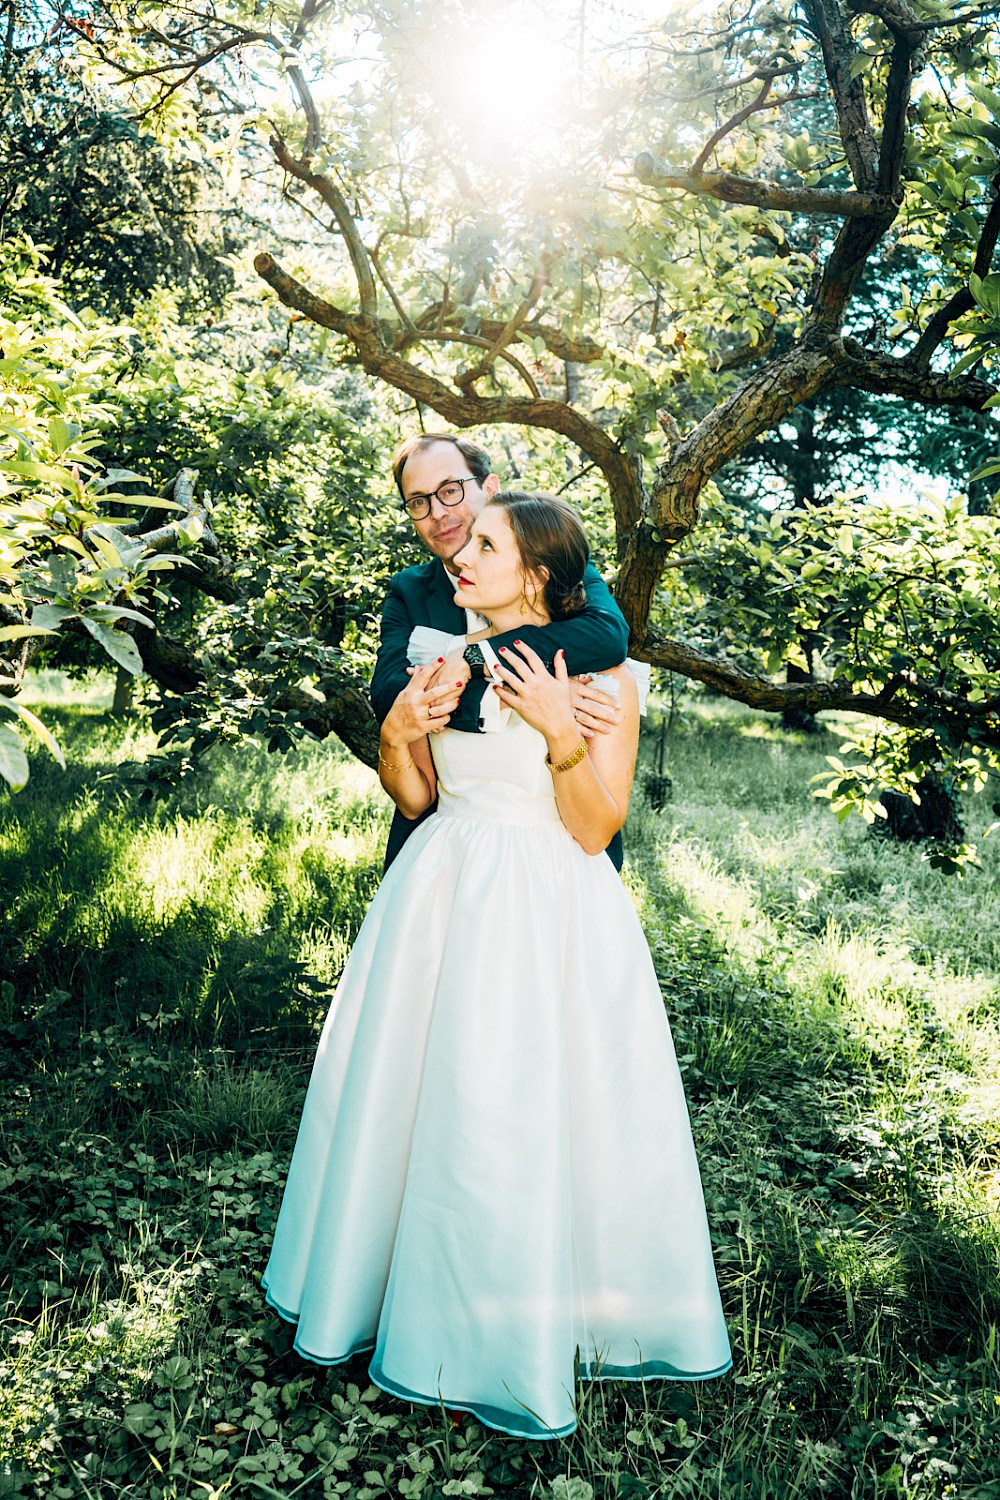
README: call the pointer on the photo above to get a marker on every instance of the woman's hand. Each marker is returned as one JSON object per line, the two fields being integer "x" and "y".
{"x": 543, "y": 699}
{"x": 423, "y": 707}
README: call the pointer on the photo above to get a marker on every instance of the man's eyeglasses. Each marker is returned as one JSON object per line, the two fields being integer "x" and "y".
{"x": 452, "y": 492}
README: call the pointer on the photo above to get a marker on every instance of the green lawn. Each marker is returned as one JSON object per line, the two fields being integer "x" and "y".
{"x": 166, "y": 967}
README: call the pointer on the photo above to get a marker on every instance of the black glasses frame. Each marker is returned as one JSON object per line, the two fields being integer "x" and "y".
{"x": 424, "y": 501}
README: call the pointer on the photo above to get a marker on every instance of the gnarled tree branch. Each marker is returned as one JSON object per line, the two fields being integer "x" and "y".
{"x": 901, "y": 706}
{"x": 509, "y": 330}
{"x": 961, "y": 301}
{"x": 324, "y": 185}
{"x": 858, "y": 237}
{"x": 735, "y": 120}
{"x": 868, "y": 370}
{"x": 839, "y": 52}
{"x": 622, "y": 471}
{"x": 730, "y": 187}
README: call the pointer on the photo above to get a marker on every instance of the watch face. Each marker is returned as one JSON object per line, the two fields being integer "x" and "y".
{"x": 474, "y": 656}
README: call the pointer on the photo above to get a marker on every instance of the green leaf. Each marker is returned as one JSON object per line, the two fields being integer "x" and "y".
{"x": 967, "y": 361}
{"x": 109, "y": 614}
{"x": 50, "y": 616}
{"x": 13, "y": 761}
{"x": 118, "y": 476}
{"x": 47, "y": 472}
{"x": 120, "y": 647}
{"x": 18, "y": 632}
{"x": 106, "y": 548}
{"x": 192, "y": 529}
{"x": 62, "y": 434}
{"x": 564, "y": 1488}
{"x": 15, "y": 432}
{"x": 36, "y": 726}
{"x": 138, "y": 1416}
{"x": 968, "y": 129}
{"x": 152, "y": 502}
{"x": 986, "y": 291}
{"x": 986, "y": 96}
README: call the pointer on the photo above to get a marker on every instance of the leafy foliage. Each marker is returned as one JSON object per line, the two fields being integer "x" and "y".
{"x": 57, "y": 569}
{"x": 115, "y": 212}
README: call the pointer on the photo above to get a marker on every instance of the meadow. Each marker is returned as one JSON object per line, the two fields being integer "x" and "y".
{"x": 165, "y": 966}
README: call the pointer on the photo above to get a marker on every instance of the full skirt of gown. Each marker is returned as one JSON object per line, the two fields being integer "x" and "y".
{"x": 494, "y": 1184}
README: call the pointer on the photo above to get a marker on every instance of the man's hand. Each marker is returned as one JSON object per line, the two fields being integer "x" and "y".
{"x": 456, "y": 669}
{"x": 425, "y": 704}
{"x": 595, "y": 712}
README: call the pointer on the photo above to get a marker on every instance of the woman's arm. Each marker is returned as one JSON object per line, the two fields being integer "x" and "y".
{"x": 407, "y": 773}
{"x": 593, "y": 819}
{"x": 405, "y": 767}
{"x": 592, "y": 790}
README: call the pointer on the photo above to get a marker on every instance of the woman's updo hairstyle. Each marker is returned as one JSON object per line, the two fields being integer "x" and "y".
{"x": 549, "y": 535}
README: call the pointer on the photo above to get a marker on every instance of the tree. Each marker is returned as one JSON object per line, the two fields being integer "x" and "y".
{"x": 710, "y": 279}
{"x": 114, "y": 212}
{"x": 61, "y": 561}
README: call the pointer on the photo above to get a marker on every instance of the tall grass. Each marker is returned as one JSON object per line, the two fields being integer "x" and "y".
{"x": 166, "y": 967}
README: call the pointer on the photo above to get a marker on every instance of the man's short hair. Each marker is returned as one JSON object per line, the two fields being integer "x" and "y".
{"x": 477, "y": 458}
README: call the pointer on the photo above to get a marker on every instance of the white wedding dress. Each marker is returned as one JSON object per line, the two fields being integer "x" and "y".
{"x": 494, "y": 1176}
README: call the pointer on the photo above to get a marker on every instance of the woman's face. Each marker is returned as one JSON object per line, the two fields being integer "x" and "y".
{"x": 493, "y": 577}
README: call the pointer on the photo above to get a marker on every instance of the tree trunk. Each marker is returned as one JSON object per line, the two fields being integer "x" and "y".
{"x": 935, "y": 819}
{"x": 799, "y": 719}
{"x": 806, "y": 483}
{"x": 124, "y": 688}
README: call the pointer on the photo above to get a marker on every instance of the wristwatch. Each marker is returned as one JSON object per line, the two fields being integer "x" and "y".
{"x": 476, "y": 660}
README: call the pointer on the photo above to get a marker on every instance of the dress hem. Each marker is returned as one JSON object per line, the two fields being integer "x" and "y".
{"x": 653, "y": 1370}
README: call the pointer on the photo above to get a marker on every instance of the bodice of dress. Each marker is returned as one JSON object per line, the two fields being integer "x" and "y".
{"x": 495, "y": 778}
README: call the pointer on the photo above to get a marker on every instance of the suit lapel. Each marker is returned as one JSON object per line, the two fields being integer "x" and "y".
{"x": 444, "y": 612}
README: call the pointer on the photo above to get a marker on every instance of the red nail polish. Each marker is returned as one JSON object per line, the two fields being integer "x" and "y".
{"x": 518, "y": 643}
{"x": 505, "y": 648}
{"x": 458, "y": 684}
{"x": 440, "y": 660}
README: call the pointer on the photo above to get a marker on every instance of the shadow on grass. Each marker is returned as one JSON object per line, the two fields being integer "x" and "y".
{"x": 122, "y": 910}
{"x": 841, "y": 1259}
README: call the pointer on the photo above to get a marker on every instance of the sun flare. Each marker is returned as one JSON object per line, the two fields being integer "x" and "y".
{"x": 512, "y": 85}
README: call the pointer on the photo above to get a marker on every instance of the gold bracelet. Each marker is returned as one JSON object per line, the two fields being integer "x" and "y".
{"x": 570, "y": 761}
{"x": 389, "y": 765}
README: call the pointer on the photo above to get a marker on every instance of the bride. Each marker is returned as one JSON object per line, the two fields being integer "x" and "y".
{"x": 494, "y": 1185}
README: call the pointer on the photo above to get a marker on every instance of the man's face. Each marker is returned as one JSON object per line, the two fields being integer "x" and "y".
{"x": 446, "y": 529}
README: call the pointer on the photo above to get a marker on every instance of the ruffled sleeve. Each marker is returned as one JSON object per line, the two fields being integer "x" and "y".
{"x": 426, "y": 644}
{"x": 640, "y": 671}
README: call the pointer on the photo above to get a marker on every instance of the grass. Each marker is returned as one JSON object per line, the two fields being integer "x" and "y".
{"x": 166, "y": 967}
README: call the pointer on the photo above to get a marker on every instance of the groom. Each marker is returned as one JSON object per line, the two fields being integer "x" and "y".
{"x": 444, "y": 482}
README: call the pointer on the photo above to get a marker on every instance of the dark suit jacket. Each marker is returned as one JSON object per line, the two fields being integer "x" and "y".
{"x": 594, "y": 641}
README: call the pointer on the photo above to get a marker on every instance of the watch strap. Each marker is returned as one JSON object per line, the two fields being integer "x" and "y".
{"x": 474, "y": 656}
